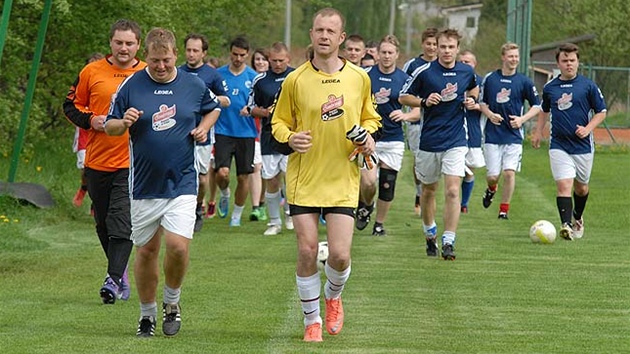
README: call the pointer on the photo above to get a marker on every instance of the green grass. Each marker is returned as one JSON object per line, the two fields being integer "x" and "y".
{"x": 502, "y": 295}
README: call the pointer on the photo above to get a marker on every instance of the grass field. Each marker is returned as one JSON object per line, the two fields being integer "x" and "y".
{"x": 503, "y": 294}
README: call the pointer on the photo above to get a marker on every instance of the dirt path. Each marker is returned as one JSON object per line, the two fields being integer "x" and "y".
{"x": 622, "y": 136}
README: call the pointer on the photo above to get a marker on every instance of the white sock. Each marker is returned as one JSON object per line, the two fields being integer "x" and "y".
{"x": 309, "y": 289}
{"x": 171, "y": 296}
{"x": 225, "y": 192}
{"x": 273, "y": 206}
{"x": 448, "y": 238}
{"x": 149, "y": 309}
{"x": 237, "y": 212}
{"x": 335, "y": 282}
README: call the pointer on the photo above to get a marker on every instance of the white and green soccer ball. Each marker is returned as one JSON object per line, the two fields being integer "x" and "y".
{"x": 542, "y": 231}
{"x": 322, "y": 255}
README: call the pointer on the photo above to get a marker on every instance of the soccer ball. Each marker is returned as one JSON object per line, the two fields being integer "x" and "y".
{"x": 322, "y": 255}
{"x": 542, "y": 231}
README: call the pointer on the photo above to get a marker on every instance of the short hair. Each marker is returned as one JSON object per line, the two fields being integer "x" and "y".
{"x": 125, "y": 25}
{"x": 449, "y": 33}
{"x": 372, "y": 44}
{"x": 468, "y": 52}
{"x": 391, "y": 39}
{"x": 329, "y": 11}
{"x": 568, "y": 48}
{"x": 240, "y": 42}
{"x": 355, "y": 38}
{"x": 160, "y": 39}
{"x": 430, "y": 32}
{"x": 508, "y": 46}
{"x": 213, "y": 61}
{"x": 94, "y": 57}
{"x": 278, "y": 47}
{"x": 367, "y": 56}
{"x": 261, "y": 51}
{"x": 201, "y": 37}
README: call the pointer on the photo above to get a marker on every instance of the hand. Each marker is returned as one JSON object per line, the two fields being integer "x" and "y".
{"x": 199, "y": 134}
{"x": 301, "y": 141}
{"x": 470, "y": 104}
{"x": 97, "y": 122}
{"x": 516, "y": 122}
{"x": 244, "y": 111}
{"x": 397, "y": 116}
{"x": 582, "y": 132}
{"x": 496, "y": 119}
{"x": 131, "y": 116}
{"x": 536, "y": 138}
{"x": 433, "y": 99}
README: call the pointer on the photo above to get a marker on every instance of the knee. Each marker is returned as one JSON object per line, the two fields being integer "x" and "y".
{"x": 387, "y": 184}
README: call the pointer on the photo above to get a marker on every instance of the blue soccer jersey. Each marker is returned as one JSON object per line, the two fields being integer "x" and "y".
{"x": 231, "y": 123}
{"x": 473, "y": 124}
{"x": 410, "y": 66}
{"x": 571, "y": 103}
{"x": 160, "y": 145}
{"x": 443, "y": 125}
{"x": 386, "y": 88}
{"x": 506, "y": 95}
{"x": 263, "y": 94}
{"x": 214, "y": 82}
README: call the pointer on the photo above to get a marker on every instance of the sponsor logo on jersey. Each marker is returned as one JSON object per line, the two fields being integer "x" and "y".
{"x": 503, "y": 96}
{"x": 248, "y": 84}
{"x": 163, "y": 92}
{"x": 331, "y": 110}
{"x": 449, "y": 74}
{"x": 163, "y": 119}
{"x": 382, "y": 96}
{"x": 566, "y": 101}
{"x": 449, "y": 93}
{"x": 330, "y": 81}
{"x": 120, "y": 75}
{"x": 386, "y": 79}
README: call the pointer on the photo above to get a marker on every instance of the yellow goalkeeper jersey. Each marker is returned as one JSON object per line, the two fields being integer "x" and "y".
{"x": 328, "y": 105}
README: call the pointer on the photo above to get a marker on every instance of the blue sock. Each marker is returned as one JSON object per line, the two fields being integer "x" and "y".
{"x": 467, "y": 187}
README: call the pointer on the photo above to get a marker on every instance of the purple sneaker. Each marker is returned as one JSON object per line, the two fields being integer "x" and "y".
{"x": 125, "y": 288}
{"x": 110, "y": 292}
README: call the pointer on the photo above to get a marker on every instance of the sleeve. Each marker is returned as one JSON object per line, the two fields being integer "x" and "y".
{"x": 483, "y": 92}
{"x": 473, "y": 82}
{"x": 209, "y": 102}
{"x": 546, "y": 103}
{"x": 532, "y": 93}
{"x": 119, "y": 102}
{"x": 370, "y": 119}
{"x": 282, "y": 119}
{"x": 79, "y": 117}
{"x": 598, "y": 104}
{"x": 218, "y": 85}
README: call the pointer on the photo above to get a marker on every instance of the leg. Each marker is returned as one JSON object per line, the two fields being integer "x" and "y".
{"x": 565, "y": 207}
{"x": 146, "y": 269}
{"x": 366, "y": 198}
{"x": 509, "y": 183}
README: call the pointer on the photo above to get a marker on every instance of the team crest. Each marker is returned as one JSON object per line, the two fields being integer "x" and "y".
{"x": 566, "y": 101}
{"x": 449, "y": 93}
{"x": 382, "y": 96}
{"x": 331, "y": 110}
{"x": 163, "y": 119}
{"x": 503, "y": 96}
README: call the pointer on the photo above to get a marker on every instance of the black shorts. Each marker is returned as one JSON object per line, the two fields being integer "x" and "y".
{"x": 241, "y": 148}
{"x": 297, "y": 210}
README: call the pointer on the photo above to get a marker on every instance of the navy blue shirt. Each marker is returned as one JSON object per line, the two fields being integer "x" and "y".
{"x": 473, "y": 123}
{"x": 506, "y": 95}
{"x": 410, "y": 66}
{"x": 443, "y": 125}
{"x": 571, "y": 103}
{"x": 263, "y": 94}
{"x": 161, "y": 148}
{"x": 386, "y": 88}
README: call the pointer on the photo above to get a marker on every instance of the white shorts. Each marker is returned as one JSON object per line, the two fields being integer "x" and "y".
{"x": 391, "y": 153}
{"x": 502, "y": 157}
{"x": 566, "y": 166}
{"x": 413, "y": 136}
{"x": 175, "y": 215}
{"x": 272, "y": 165}
{"x": 431, "y": 165}
{"x": 474, "y": 158}
{"x": 80, "y": 159}
{"x": 203, "y": 157}
{"x": 257, "y": 153}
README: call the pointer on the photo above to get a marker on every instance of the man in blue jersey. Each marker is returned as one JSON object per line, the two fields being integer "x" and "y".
{"x": 429, "y": 54}
{"x": 165, "y": 110}
{"x": 274, "y": 164}
{"x": 577, "y": 107}
{"x": 503, "y": 95}
{"x": 386, "y": 81}
{"x": 474, "y": 156}
{"x": 196, "y": 49}
{"x": 354, "y": 49}
{"x": 235, "y": 133}
{"x": 443, "y": 88}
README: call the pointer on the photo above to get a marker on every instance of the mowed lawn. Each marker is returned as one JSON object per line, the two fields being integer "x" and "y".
{"x": 503, "y": 294}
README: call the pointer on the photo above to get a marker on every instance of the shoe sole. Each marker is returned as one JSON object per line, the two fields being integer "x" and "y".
{"x": 565, "y": 234}
{"x": 108, "y": 297}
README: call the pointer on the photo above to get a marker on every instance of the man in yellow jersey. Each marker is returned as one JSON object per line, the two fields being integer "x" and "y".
{"x": 317, "y": 105}
{"x": 107, "y": 157}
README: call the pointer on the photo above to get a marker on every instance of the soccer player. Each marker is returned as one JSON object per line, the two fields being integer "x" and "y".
{"x": 442, "y": 88}
{"x": 260, "y": 63}
{"x": 317, "y": 105}
{"x": 196, "y": 49}
{"x": 235, "y": 133}
{"x": 274, "y": 164}
{"x": 371, "y": 47}
{"x": 474, "y": 156}
{"x": 503, "y": 94}
{"x": 354, "y": 49}
{"x": 429, "y": 54}
{"x": 107, "y": 157}
{"x": 367, "y": 61}
{"x": 165, "y": 110}
{"x": 387, "y": 81}
{"x": 577, "y": 107}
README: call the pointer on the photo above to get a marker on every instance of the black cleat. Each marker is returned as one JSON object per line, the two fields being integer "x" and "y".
{"x": 146, "y": 327}
{"x": 363, "y": 215}
{"x": 378, "y": 230}
{"x": 503, "y": 216}
{"x": 488, "y": 196}
{"x": 432, "y": 247}
{"x": 448, "y": 253}
{"x": 172, "y": 319}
